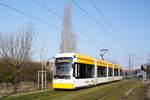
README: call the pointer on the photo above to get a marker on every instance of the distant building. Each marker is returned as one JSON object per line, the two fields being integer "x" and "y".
{"x": 147, "y": 67}
{"x": 144, "y": 71}
{"x": 128, "y": 73}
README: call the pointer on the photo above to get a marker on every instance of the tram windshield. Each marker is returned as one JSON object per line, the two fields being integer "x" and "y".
{"x": 62, "y": 68}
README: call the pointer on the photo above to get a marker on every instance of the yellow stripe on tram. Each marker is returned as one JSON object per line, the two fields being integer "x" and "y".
{"x": 63, "y": 86}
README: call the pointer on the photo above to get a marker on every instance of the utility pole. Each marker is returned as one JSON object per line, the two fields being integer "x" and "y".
{"x": 42, "y": 66}
{"x": 129, "y": 64}
{"x": 131, "y": 60}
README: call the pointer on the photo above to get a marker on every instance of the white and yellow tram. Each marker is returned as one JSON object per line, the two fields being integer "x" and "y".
{"x": 73, "y": 70}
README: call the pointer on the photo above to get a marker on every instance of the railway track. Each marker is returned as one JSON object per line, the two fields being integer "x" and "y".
{"x": 108, "y": 90}
{"x": 100, "y": 92}
{"x": 95, "y": 93}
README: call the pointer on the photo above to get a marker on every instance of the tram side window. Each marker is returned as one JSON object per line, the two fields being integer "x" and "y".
{"x": 90, "y": 71}
{"x": 104, "y": 71}
{"x": 83, "y": 71}
{"x": 110, "y": 72}
{"x": 115, "y": 72}
{"x": 98, "y": 72}
{"x": 101, "y": 71}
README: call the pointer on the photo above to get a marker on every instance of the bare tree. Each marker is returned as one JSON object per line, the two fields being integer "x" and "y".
{"x": 68, "y": 38}
{"x": 15, "y": 49}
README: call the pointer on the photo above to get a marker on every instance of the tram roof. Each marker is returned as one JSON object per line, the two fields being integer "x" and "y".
{"x": 91, "y": 59}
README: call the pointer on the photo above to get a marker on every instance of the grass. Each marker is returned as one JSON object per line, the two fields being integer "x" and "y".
{"x": 139, "y": 93}
{"x": 120, "y": 92}
{"x": 112, "y": 91}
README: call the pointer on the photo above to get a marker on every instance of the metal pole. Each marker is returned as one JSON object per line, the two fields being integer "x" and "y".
{"x": 107, "y": 70}
{"x": 113, "y": 70}
{"x": 42, "y": 69}
{"x": 129, "y": 64}
{"x": 42, "y": 80}
{"x": 132, "y": 65}
{"x": 118, "y": 71}
{"x": 95, "y": 63}
{"x": 42, "y": 59}
{"x": 45, "y": 81}
{"x": 38, "y": 80}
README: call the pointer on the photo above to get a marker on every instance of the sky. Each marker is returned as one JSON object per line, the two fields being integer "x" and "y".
{"x": 130, "y": 20}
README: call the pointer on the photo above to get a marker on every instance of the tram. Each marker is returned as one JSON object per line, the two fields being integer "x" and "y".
{"x": 73, "y": 70}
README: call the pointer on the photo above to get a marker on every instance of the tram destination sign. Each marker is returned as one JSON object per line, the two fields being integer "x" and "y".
{"x": 64, "y": 60}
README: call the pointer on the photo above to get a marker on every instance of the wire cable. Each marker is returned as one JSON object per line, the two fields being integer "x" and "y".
{"x": 60, "y": 17}
{"x": 107, "y": 21}
{"x": 97, "y": 22}
{"x": 28, "y": 15}
{"x": 40, "y": 20}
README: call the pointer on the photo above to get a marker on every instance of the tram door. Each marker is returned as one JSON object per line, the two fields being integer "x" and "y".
{"x": 79, "y": 71}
